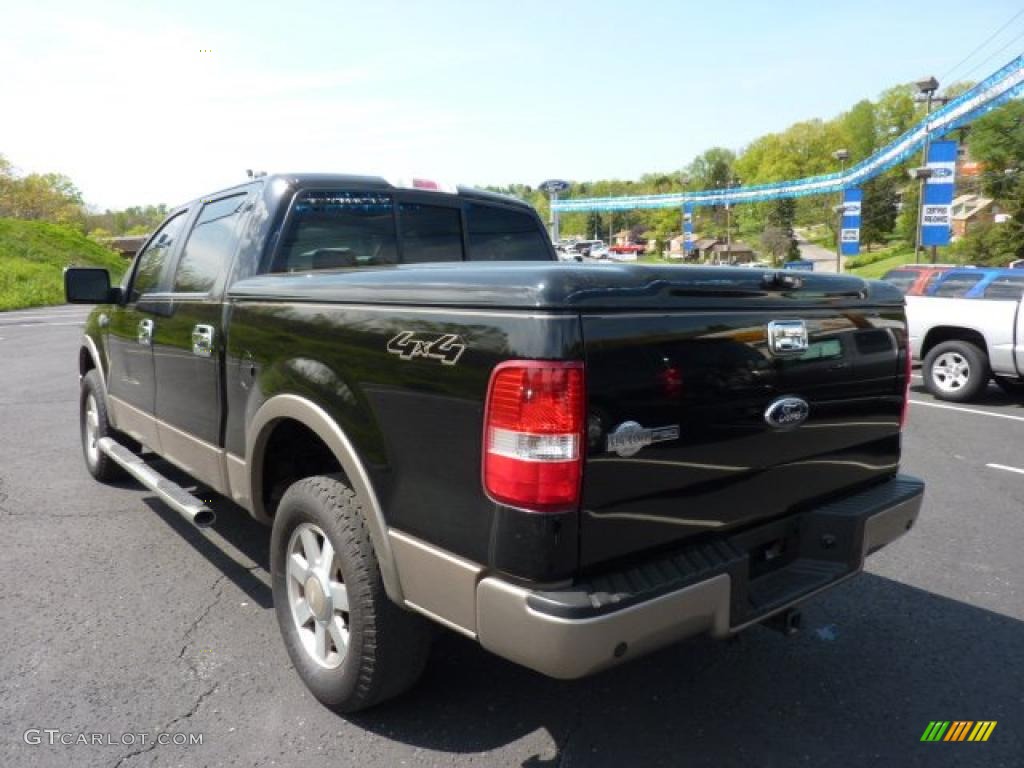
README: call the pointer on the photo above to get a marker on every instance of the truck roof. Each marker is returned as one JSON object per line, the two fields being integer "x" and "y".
{"x": 373, "y": 182}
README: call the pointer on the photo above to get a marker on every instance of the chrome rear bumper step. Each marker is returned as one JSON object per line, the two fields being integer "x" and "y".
{"x": 172, "y": 494}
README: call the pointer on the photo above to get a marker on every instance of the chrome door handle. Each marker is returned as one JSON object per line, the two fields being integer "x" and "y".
{"x": 202, "y": 340}
{"x": 146, "y": 332}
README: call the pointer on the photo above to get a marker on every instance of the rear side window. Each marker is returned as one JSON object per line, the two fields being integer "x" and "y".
{"x": 210, "y": 246}
{"x": 334, "y": 229}
{"x": 1010, "y": 287}
{"x": 901, "y": 278}
{"x": 153, "y": 259}
{"x": 502, "y": 234}
{"x": 430, "y": 233}
{"x": 956, "y": 285}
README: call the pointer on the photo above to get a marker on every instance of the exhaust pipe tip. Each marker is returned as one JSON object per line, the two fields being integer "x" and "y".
{"x": 204, "y": 518}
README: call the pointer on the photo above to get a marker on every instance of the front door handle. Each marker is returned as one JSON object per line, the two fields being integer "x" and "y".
{"x": 146, "y": 332}
{"x": 202, "y": 340}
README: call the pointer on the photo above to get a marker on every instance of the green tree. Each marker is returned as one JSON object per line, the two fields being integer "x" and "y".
{"x": 879, "y": 209}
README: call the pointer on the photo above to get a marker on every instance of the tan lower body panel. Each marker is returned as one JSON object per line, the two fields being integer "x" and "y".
{"x": 436, "y": 583}
{"x": 132, "y": 421}
{"x": 572, "y": 648}
{"x": 238, "y": 480}
{"x": 213, "y": 466}
{"x": 205, "y": 462}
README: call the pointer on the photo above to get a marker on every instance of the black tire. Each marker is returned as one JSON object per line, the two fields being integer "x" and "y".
{"x": 963, "y": 386}
{"x": 1013, "y": 387}
{"x": 100, "y": 466}
{"x": 387, "y": 646}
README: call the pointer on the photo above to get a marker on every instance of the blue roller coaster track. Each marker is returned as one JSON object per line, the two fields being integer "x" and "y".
{"x": 996, "y": 89}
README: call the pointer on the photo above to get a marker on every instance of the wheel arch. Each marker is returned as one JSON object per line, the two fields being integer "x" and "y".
{"x": 289, "y": 407}
{"x": 943, "y": 333}
{"x": 89, "y": 359}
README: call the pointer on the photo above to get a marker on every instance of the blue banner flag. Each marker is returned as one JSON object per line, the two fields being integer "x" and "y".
{"x": 849, "y": 230}
{"x": 688, "y": 242}
{"x": 937, "y": 205}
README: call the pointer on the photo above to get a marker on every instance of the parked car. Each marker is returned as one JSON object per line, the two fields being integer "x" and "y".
{"x": 442, "y": 424}
{"x": 915, "y": 279}
{"x": 584, "y": 247}
{"x": 977, "y": 283}
{"x": 964, "y": 343}
{"x": 633, "y": 249}
{"x": 599, "y": 252}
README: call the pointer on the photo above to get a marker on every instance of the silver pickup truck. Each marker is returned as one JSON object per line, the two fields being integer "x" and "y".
{"x": 963, "y": 343}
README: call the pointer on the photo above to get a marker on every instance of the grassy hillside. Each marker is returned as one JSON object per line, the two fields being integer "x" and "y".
{"x": 33, "y": 255}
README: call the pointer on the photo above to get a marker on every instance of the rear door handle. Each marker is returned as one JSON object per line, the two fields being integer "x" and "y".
{"x": 146, "y": 332}
{"x": 202, "y": 340}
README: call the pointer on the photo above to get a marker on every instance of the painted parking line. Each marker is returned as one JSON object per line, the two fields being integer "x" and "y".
{"x": 968, "y": 410}
{"x": 1006, "y": 468}
{"x": 21, "y": 318}
{"x": 40, "y": 325}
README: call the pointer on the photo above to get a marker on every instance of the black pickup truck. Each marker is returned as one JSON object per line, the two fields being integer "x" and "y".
{"x": 573, "y": 464}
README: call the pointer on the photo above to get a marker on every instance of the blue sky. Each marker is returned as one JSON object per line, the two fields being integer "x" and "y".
{"x": 122, "y": 98}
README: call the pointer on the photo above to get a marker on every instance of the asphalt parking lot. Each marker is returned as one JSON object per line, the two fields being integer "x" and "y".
{"x": 117, "y": 618}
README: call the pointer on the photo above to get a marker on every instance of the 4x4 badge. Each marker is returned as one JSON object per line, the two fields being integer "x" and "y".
{"x": 447, "y": 348}
{"x": 629, "y": 437}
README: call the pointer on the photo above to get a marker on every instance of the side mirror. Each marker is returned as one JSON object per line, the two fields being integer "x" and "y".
{"x": 88, "y": 285}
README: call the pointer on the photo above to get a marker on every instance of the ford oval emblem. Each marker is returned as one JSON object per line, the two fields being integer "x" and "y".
{"x": 787, "y": 412}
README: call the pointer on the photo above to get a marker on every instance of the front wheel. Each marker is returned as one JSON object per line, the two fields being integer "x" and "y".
{"x": 350, "y": 644}
{"x": 956, "y": 371}
{"x": 93, "y": 425}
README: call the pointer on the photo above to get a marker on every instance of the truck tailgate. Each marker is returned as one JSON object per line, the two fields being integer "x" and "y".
{"x": 679, "y": 443}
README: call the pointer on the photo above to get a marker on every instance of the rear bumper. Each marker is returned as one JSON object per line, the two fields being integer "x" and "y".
{"x": 719, "y": 587}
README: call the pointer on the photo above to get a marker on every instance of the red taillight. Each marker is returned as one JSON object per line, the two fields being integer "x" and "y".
{"x": 907, "y": 369}
{"x": 533, "y": 435}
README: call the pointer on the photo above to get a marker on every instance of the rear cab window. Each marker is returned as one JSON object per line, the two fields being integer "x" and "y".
{"x": 1009, "y": 288}
{"x": 956, "y": 285}
{"x": 504, "y": 234}
{"x": 903, "y": 279}
{"x": 336, "y": 229}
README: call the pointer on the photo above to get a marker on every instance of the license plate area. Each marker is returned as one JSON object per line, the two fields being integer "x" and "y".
{"x": 790, "y": 559}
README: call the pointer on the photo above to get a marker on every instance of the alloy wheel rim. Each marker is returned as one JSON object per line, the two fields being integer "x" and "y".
{"x": 92, "y": 430}
{"x": 317, "y": 596}
{"x": 951, "y": 371}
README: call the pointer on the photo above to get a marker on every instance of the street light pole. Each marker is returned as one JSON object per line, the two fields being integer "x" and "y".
{"x": 927, "y": 88}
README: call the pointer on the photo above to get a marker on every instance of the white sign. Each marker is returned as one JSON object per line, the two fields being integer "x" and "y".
{"x": 936, "y": 215}
{"x": 851, "y": 208}
{"x": 850, "y": 235}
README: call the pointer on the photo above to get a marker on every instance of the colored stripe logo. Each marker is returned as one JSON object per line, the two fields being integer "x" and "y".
{"x": 958, "y": 730}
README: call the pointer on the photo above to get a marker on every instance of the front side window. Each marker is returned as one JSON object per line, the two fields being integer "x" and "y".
{"x": 502, "y": 234}
{"x": 331, "y": 229}
{"x": 154, "y": 257}
{"x": 957, "y": 285}
{"x": 430, "y": 233}
{"x": 210, "y": 246}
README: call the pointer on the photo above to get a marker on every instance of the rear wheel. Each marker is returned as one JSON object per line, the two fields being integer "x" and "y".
{"x": 955, "y": 370}
{"x": 94, "y": 426}
{"x": 350, "y": 644}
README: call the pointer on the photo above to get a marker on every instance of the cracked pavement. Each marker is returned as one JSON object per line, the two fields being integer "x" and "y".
{"x": 118, "y": 617}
